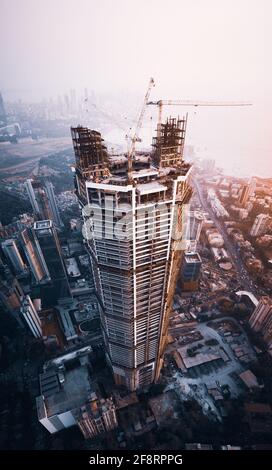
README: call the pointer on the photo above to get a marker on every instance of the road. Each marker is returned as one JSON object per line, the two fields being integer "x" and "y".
{"x": 244, "y": 278}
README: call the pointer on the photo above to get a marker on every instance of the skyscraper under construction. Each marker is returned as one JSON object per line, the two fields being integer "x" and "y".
{"x": 134, "y": 230}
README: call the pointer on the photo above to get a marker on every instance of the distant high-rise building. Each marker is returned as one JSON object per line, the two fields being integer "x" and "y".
{"x": 194, "y": 229}
{"x": 43, "y": 201}
{"x": 31, "y": 317}
{"x": 246, "y": 192}
{"x": 259, "y": 225}
{"x": 208, "y": 165}
{"x": 38, "y": 199}
{"x": 190, "y": 271}
{"x": 73, "y": 100}
{"x": 48, "y": 244}
{"x": 32, "y": 197}
{"x": 13, "y": 254}
{"x": 53, "y": 204}
{"x": 261, "y": 314}
{"x": 244, "y": 195}
{"x": 3, "y": 115}
{"x": 252, "y": 186}
{"x": 261, "y": 319}
{"x": 66, "y": 103}
{"x": 34, "y": 256}
{"x": 136, "y": 272}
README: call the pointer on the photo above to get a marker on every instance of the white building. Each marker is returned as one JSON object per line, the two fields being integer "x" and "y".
{"x": 259, "y": 225}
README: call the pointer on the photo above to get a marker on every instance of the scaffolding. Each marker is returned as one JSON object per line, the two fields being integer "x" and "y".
{"x": 169, "y": 143}
{"x": 90, "y": 151}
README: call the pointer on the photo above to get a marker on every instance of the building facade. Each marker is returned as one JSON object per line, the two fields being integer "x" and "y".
{"x": 244, "y": 195}
{"x": 10, "y": 293}
{"x": 193, "y": 232}
{"x": 190, "y": 271}
{"x": 133, "y": 221}
{"x": 261, "y": 318}
{"x": 97, "y": 417}
{"x": 259, "y": 225}
{"x": 47, "y": 243}
{"x": 12, "y": 253}
{"x": 34, "y": 256}
{"x": 31, "y": 317}
{"x": 43, "y": 201}
{"x": 3, "y": 115}
{"x": 53, "y": 204}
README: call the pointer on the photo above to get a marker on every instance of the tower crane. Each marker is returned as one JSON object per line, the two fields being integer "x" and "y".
{"x": 135, "y": 137}
{"x": 162, "y": 103}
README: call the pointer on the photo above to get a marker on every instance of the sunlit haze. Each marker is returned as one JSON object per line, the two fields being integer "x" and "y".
{"x": 204, "y": 50}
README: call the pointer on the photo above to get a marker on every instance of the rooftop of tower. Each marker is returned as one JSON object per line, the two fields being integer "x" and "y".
{"x": 43, "y": 224}
{"x": 151, "y": 173}
{"x": 95, "y": 163}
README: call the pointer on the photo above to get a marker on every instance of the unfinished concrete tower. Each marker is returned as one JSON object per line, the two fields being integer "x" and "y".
{"x": 134, "y": 225}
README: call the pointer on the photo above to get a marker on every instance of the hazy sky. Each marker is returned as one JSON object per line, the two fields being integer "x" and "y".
{"x": 197, "y": 49}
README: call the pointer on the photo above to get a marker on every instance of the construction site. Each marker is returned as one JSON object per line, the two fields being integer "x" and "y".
{"x": 133, "y": 204}
{"x": 136, "y": 268}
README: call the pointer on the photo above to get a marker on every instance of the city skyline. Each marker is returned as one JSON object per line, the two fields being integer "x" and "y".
{"x": 135, "y": 231}
{"x": 234, "y": 66}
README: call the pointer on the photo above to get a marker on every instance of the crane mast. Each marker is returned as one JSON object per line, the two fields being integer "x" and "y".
{"x": 135, "y": 137}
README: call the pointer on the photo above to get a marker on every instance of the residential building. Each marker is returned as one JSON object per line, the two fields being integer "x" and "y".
{"x": 190, "y": 271}
{"x": 53, "y": 204}
{"x": 48, "y": 245}
{"x": 34, "y": 256}
{"x": 97, "y": 417}
{"x": 261, "y": 319}
{"x": 196, "y": 220}
{"x": 43, "y": 201}
{"x": 3, "y": 115}
{"x": 31, "y": 316}
{"x": 10, "y": 293}
{"x": 259, "y": 225}
{"x": 246, "y": 192}
{"x": 13, "y": 255}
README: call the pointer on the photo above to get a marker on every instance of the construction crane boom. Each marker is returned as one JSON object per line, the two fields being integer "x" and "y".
{"x": 162, "y": 103}
{"x": 135, "y": 137}
{"x": 198, "y": 103}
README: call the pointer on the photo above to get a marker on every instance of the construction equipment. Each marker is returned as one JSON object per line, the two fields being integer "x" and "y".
{"x": 162, "y": 103}
{"x": 135, "y": 137}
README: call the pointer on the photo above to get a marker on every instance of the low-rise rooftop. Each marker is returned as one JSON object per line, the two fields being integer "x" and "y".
{"x": 41, "y": 224}
{"x": 64, "y": 385}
